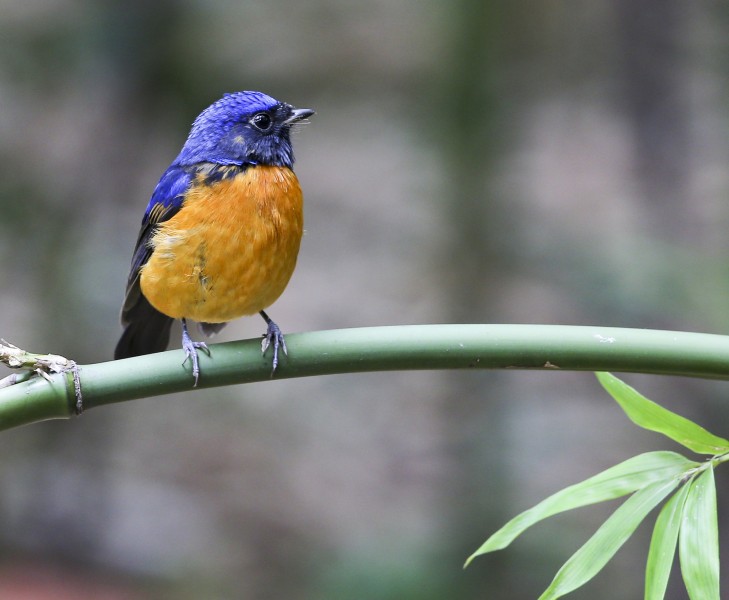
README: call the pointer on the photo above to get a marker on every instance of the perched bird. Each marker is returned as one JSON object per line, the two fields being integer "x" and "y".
{"x": 221, "y": 233}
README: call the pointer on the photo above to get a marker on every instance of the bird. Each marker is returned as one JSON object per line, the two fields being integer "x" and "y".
{"x": 220, "y": 236}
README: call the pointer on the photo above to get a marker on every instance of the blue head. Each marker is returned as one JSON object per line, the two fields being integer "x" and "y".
{"x": 243, "y": 128}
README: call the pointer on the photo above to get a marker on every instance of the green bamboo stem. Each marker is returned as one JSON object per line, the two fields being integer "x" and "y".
{"x": 546, "y": 347}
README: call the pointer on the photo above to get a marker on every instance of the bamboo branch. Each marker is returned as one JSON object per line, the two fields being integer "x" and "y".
{"x": 416, "y": 347}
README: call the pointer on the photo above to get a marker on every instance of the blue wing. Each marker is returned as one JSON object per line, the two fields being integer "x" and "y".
{"x": 146, "y": 329}
{"x": 165, "y": 202}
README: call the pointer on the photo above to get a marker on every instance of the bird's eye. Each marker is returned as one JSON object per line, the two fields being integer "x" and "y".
{"x": 262, "y": 121}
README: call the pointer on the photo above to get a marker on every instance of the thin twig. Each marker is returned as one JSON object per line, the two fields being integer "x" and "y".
{"x": 42, "y": 364}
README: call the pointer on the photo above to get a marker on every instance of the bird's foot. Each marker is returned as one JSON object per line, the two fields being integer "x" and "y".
{"x": 191, "y": 347}
{"x": 275, "y": 338}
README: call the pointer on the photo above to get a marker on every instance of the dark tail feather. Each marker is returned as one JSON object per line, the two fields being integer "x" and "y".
{"x": 146, "y": 331}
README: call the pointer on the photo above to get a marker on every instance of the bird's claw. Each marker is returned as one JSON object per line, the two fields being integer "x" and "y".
{"x": 275, "y": 338}
{"x": 191, "y": 347}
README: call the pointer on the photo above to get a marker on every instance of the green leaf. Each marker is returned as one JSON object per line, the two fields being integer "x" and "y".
{"x": 620, "y": 480}
{"x": 587, "y": 562}
{"x": 699, "y": 539}
{"x": 649, "y": 415}
{"x": 663, "y": 545}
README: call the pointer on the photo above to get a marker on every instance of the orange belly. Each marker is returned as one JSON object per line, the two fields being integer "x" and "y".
{"x": 230, "y": 250}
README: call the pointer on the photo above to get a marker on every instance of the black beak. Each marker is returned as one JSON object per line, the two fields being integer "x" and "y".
{"x": 298, "y": 114}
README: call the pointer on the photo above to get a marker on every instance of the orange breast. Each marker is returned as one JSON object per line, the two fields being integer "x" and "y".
{"x": 230, "y": 250}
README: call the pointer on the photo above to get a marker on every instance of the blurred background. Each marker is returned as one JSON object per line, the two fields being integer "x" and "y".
{"x": 470, "y": 161}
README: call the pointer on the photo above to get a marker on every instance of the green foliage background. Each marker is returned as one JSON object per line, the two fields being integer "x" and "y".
{"x": 499, "y": 162}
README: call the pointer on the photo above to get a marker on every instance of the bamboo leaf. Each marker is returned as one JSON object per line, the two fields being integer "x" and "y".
{"x": 699, "y": 539}
{"x": 620, "y": 480}
{"x": 587, "y": 562}
{"x": 663, "y": 545}
{"x": 649, "y": 415}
